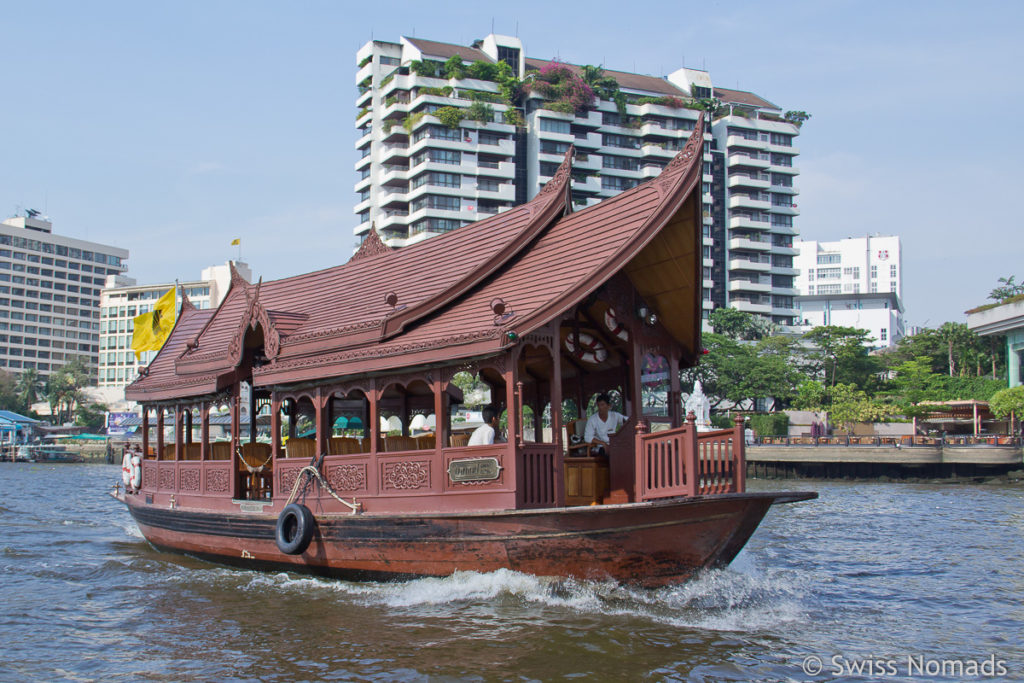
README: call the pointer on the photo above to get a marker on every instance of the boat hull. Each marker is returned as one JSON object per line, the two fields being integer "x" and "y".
{"x": 648, "y": 544}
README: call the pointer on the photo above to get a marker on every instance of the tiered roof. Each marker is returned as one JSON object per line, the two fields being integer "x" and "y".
{"x": 432, "y": 302}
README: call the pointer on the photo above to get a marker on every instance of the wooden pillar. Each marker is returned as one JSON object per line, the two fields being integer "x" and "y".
{"x": 510, "y": 402}
{"x": 634, "y": 383}
{"x": 739, "y": 454}
{"x": 188, "y": 425}
{"x": 690, "y": 455}
{"x": 252, "y": 413}
{"x": 291, "y": 412}
{"x": 204, "y": 431}
{"x": 405, "y": 410}
{"x": 439, "y": 403}
{"x": 320, "y": 420}
{"x": 145, "y": 431}
{"x": 556, "y": 393}
{"x": 160, "y": 433}
{"x": 373, "y": 421}
{"x": 675, "y": 394}
{"x": 975, "y": 406}
{"x": 178, "y": 424}
{"x": 275, "y": 425}
{"x": 520, "y": 416}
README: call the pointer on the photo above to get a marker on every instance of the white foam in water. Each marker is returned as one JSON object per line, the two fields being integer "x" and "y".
{"x": 720, "y": 600}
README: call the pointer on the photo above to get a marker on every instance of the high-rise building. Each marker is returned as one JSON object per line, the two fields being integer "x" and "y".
{"x": 442, "y": 144}
{"x": 123, "y": 298}
{"x": 854, "y": 282}
{"x": 49, "y": 295}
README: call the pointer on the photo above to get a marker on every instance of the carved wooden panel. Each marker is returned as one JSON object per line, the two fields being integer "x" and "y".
{"x": 347, "y": 477}
{"x": 218, "y": 480}
{"x": 188, "y": 479}
{"x": 286, "y": 480}
{"x": 166, "y": 478}
{"x": 406, "y": 475}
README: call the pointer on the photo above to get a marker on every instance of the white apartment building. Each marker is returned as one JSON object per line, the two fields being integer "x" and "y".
{"x": 855, "y": 282}
{"x": 123, "y": 298}
{"x": 420, "y": 177}
{"x": 50, "y": 294}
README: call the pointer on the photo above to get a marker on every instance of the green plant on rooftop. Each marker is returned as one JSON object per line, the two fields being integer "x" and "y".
{"x": 561, "y": 85}
{"x": 1007, "y": 289}
{"x": 450, "y": 116}
{"x": 390, "y": 100}
{"x": 410, "y": 121}
{"x": 387, "y": 79}
{"x": 512, "y": 117}
{"x": 365, "y": 61}
{"x": 480, "y": 111}
{"x": 796, "y": 117}
{"x": 429, "y": 68}
{"x": 362, "y": 112}
{"x": 444, "y": 91}
{"x": 454, "y": 68}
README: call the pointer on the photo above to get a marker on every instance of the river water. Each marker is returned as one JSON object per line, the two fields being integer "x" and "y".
{"x": 868, "y": 576}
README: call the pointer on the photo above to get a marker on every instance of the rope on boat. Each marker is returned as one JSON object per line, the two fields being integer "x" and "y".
{"x": 253, "y": 469}
{"x": 309, "y": 469}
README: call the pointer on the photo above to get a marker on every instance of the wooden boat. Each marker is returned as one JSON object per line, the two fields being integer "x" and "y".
{"x": 544, "y": 305}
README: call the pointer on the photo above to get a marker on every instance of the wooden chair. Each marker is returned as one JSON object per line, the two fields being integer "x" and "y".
{"x": 344, "y": 445}
{"x": 458, "y": 440}
{"x": 300, "y": 448}
{"x": 426, "y": 442}
{"x": 220, "y": 450}
{"x": 577, "y": 428}
{"x": 393, "y": 444}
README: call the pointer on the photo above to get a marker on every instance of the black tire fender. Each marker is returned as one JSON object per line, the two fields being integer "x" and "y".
{"x": 294, "y": 529}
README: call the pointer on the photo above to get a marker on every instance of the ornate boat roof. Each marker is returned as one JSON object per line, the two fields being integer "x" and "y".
{"x": 432, "y": 302}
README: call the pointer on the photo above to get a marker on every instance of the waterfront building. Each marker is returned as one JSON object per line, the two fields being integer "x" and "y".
{"x": 442, "y": 147}
{"x": 854, "y": 282}
{"x": 50, "y": 294}
{"x": 122, "y": 299}
{"x": 1003, "y": 319}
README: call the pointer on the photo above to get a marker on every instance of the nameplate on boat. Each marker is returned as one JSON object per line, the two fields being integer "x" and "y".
{"x": 254, "y": 506}
{"x": 475, "y": 469}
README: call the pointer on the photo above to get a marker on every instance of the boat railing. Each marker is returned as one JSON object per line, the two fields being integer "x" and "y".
{"x": 685, "y": 462}
{"x": 541, "y": 473}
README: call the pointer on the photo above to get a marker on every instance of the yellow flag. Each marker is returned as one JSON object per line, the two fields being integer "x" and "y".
{"x": 236, "y": 242}
{"x": 150, "y": 330}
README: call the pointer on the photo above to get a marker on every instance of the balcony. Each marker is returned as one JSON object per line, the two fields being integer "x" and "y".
{"x": 394, "y": 150}
{"x": 389, "y": 195}
{"x": 740, "y": 141}
{"x": 750, "y": 244}
{"x": 739, "y": 284}
{"x": 758, "y": 180}
{"x": 653, "y": 150}
{"x": 750, "y": 306}
{"x": 394, "y": 219}
{"x": 759, "y": 161}
{"x": 786, "y": 210}
{"x": 760, "y": 264}
{"x": 363, "y": 73}
{"x": 789, "y": 170}
{"x": 742, "y": 201}
{"x": 749, "y": 223}
{"x": 364, "y": 162}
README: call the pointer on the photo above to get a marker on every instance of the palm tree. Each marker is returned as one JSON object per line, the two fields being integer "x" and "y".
{"x": 603, "y": 86}
{"x": 27, "y": 388}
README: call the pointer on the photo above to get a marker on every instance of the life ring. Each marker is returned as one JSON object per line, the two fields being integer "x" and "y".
{"x": 611, "y": 321}
{"x": 591, "y": 350}
{"x": 126, "y": 468}
{"x": 294, "y": 529}
{"x": 136, "y": 471}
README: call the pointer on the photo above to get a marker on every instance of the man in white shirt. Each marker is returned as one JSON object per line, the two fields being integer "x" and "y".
{"x": 484, "y": 434}
{"x": 601, "y": 425}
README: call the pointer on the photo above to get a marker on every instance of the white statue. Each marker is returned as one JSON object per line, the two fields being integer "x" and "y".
{"x": 700, "y": 406}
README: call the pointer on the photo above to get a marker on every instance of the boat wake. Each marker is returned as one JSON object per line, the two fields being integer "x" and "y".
{"x": 734, "y": 599}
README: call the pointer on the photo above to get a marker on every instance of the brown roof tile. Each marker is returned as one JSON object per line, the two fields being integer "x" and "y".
{"x": 433, "y": 48}
{"x": 743, "y": 97}
{"x": 627, "y": 80}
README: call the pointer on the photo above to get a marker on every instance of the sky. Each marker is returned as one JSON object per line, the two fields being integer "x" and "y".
{"x": 171, "y": 129}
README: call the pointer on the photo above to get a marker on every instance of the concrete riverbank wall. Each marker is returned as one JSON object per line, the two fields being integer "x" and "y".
{"x": 937, "y": 461}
